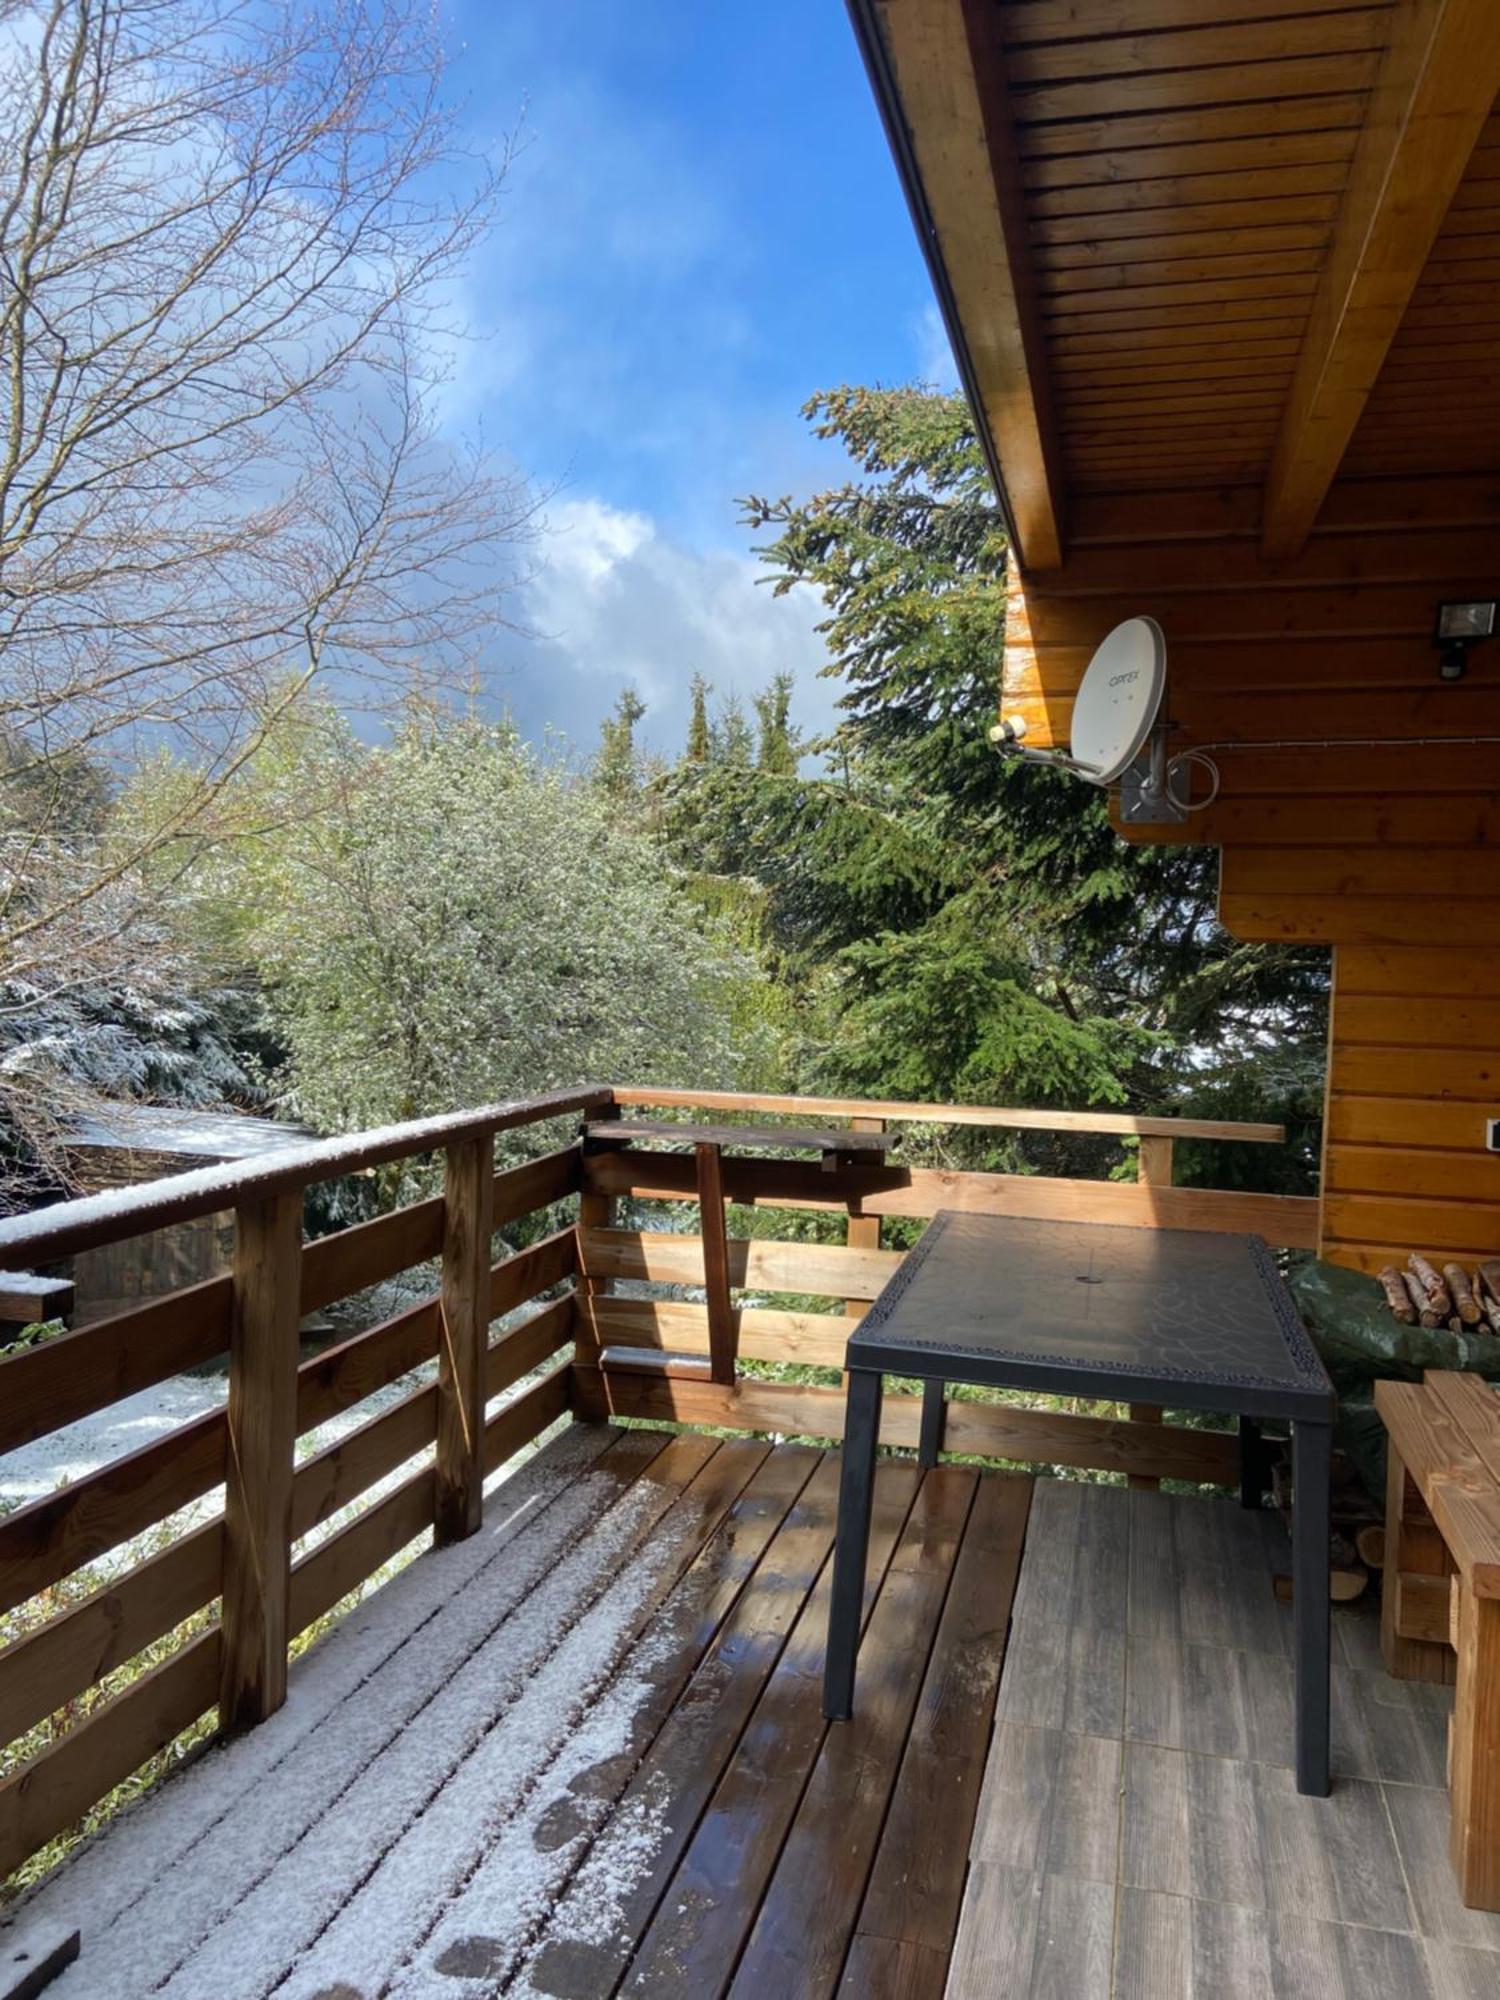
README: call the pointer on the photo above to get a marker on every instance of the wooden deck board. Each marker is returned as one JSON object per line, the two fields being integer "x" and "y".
{"x": 584, "y": 1754}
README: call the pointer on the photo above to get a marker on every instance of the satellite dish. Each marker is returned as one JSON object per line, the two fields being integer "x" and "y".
{"x": 1118, "y": 701}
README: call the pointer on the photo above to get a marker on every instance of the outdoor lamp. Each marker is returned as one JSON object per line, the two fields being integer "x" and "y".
{"x": 1460, "y": 626}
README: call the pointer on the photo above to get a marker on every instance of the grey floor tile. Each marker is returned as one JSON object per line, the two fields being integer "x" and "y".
{"x": 1074, "y": 1943}
{"x": 1356, "y": 1634}
{"x": 1171, "y": 1948}
{"x": 1330, "y": 1857}
{"x": 1190, "y": 1827}
{"x": 1420, "y": 1817}
{"x": 1222, "y": 1533}
{"x": 1060, "y": 1675}
{"x": 996, "y": 1941}
{"x": 1459, "y": 1972}
{"x": 1404, "y": 1724}
{"x": 1081, "y": 1568}
{"x": 1233, "y": 1607}
{"x": 1312, "y": 1959}
{"x": 1032, "y": 1937}
{"x": 1051, "y": 1803}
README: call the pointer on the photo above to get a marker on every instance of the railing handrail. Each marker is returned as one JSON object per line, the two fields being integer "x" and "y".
{"x": 43, "y": 1235}
{"x": 1122, "y": 1124}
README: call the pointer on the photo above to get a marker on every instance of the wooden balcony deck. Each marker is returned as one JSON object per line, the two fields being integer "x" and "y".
{"x": 583, "y": 1752}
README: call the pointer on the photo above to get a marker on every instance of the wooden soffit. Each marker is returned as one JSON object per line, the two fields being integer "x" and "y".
{"x": 1176, "y": 240}
{"x": 1430, "y": 103}
{"x": 946, "y": 64}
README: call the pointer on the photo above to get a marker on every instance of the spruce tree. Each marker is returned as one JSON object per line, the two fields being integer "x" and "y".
{"x": 699, "y": 748}
{"x": 777, "y": 752}
{"x": 966, "y": 928}
{"x": 615, "y": 767}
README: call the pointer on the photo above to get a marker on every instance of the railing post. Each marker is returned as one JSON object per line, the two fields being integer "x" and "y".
{"x": 595, "y": 1211}
{"x": 864, "y": 1230}
{"x": 262, "y": 1419}
{"x": 1154, "y": 1169}
{"x": 718, "y": 1298}
{"x": 468, "y": 1226}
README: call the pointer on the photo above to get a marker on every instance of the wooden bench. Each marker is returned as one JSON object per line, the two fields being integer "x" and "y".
{"x": 1440, "y": 1615}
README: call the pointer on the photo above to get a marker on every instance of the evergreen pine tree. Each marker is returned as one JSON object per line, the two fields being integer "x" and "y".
{"x": 699, "y": 748}
{"x": 966, "y": 928}
{"x": 734, "y": 741}
{"x": 615, "y": 766}
{"x": 777, "y": 753}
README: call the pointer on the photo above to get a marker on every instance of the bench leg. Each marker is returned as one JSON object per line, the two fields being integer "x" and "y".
{"x": 1312, "y": 1457}
{"x": 1474, "y": 1834}
{"x": 934, "y": 1410}
{"x": 1413, "y": 1547}
{"x": 851, "y": 1547}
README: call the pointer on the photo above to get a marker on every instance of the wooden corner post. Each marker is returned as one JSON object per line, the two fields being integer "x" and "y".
{"x": 723, "y": 1339}
{"x": 1155, "y": 1168}
{"x": 468, "y": 1226}
{"x": 262, "y": 1439}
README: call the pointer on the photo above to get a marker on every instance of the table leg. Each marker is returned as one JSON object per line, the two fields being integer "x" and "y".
{"x": 1252, "y": 1463}
{"x": 856, "y": 1483}
{"x": 1312, "y": 1456}
{"x": 933, "y": 1413}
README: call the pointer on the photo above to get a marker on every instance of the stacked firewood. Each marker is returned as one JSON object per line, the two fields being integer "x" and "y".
{"x": 1424, "y": 1295}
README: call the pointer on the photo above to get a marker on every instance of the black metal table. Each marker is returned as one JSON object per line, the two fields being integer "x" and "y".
{"x": 1196, "y": 1319}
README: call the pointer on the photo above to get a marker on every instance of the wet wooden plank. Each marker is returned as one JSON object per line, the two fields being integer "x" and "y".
{"x": 711, "y": 1902}
{"x": 801, "y": 1933}
{"x": 575, "y": 1957}
{"x": 917, "y": 1881}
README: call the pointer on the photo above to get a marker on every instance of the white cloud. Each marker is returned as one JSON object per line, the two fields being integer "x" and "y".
{"x": 615, "y": 599}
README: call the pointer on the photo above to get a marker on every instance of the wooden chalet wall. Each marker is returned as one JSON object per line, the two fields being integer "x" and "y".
{"x": 1388, "y": 853}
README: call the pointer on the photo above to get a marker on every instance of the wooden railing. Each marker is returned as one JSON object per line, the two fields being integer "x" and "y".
{"x": 248, "y": 1560}
{"x": 852, "y": 1274}
{"x": 247, "y": 1557}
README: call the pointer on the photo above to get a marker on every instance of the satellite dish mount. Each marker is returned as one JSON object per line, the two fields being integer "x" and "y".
{"x": 1119, "y": 735}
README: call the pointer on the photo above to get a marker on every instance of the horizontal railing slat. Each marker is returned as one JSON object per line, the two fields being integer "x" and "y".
{"x": 528, "y": 1345}
{"x": 1290, "y": 1221}
{"x": 342, "y": 1471}
{"x": 351, "y": 1260}
{"x": 73, "y": 1651}
{"x": 814, "y": 1340}
{"x": 344, "y": 1375}
{"x": 49, "y": 1794}
{"x": 43, "y": 1388}
{"x": 773, "y": 1267}
{"x": 982, "y": 1430}
{"x": 1124, "y": 1123}
{"x": 537, "y": 1184}
{"x": 528, "y": 1416}
{"x": 516, "y": 1279}
{"x": 61, "y": 1531}
{"x": 342, "y": 1563}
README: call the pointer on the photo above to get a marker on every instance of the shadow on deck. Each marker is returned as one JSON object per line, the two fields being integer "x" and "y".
{"x": 584, "y": 1752}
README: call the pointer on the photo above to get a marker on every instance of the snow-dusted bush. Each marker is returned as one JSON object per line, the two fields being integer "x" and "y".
{"x": 451, "y": 919}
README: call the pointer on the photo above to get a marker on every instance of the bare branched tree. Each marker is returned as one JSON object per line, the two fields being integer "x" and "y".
{"x": 228, "y": 233}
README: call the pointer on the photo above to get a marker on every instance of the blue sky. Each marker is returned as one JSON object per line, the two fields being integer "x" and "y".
{"x": 702, "y": 227}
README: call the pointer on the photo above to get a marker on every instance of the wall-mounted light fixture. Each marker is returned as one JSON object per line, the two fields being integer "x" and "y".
{"x": 1460, "y": 626}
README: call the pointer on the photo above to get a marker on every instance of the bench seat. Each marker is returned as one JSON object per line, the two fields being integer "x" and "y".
{"x": 1440, "y": 1612}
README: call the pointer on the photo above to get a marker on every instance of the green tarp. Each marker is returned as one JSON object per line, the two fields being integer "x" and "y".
{"x": 1360, "y": 1342}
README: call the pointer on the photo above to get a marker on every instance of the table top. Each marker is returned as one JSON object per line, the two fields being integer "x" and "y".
{"x": 1193, "y": 1318}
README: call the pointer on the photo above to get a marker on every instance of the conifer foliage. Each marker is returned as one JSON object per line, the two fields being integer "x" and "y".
{"x": 964, "y": 928}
